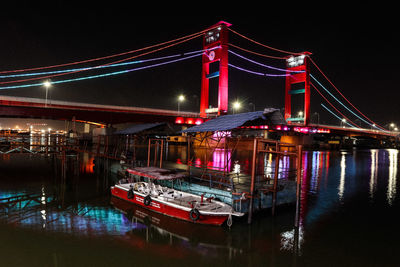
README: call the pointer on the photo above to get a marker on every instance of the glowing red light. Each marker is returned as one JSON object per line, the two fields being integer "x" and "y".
{"x": 189, "y": 121}
{"x": 179, "y": 120}
{"x": 198, "y": 121}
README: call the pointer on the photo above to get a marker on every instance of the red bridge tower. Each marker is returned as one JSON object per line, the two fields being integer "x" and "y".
{"x": 298, "y": 82}
{"x": 215, "y": 43}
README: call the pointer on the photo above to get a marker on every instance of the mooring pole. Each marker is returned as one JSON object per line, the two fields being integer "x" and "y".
{"x": 148, "y": 153}
{"x": 253, "y": 175}
{"x": 188, "y": 153}
{"x": 275, "y": 186}
{"x": 298, "y": 186}
{"x": 161, "y": 152}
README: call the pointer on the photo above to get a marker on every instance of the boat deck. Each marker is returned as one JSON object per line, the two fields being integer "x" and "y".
{"x": 179, "y": 198}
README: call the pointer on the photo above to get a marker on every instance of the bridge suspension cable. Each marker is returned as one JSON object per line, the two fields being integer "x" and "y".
{"x": 101, "y": 67}
{"x": 110, "y": 63}
{"x": 371, "y": 121}
{"x": 343, "y": 116}
{"x": 261, "y": 64}
{"x": 194, "y": 35}
{"x": 256, "y": 53}
{"x": 341, "y": 119}
{"x": 372, "y": 125}
{"x": 258, "y": 73}
{"x": 266, "y": 46}
{"x": 104, "y": 74}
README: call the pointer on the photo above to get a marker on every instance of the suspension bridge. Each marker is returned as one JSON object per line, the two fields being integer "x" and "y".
{"x": 300, "y": 73}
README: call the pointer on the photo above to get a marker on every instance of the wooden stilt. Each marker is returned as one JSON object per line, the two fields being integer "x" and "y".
{"x": 275, "y": 187}
{"x": 253, "y": 175}
{"x": 298, "y": 186}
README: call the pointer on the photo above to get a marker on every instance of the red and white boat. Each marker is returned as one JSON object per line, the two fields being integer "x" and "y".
{"x": 153, "y": 190}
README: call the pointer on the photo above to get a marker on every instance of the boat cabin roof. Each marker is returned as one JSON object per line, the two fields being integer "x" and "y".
{"x": 156, "y": 173}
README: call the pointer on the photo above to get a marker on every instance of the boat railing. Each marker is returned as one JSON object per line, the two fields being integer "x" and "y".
{"x": 214, "y": 178}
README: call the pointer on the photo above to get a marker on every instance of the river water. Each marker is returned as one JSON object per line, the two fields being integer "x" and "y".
{"x": 348, "y": 218}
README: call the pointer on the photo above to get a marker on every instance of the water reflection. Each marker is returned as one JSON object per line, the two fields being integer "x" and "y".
{"x": 391, "y": 188}
{"x": 293, "y": 240}
{"x": 221, "y": 160}
{"x": 374, "y": 172}
{"x": 342, "y": 176}
{"x": 337, "y": 192}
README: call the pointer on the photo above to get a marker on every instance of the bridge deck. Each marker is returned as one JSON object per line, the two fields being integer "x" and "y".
{"x": 24, "y": 107}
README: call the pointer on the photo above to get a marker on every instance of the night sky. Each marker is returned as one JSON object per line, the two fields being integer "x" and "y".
{"x": 357, "y": 49}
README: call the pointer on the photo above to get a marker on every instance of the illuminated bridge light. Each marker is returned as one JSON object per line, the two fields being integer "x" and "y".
{"x": 190, "y": 121}
{"x": 179, "y": 120}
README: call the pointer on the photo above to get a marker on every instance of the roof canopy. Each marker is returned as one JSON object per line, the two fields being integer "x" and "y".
{"x": 140, "y": 128}
{"x": 228, "y": 122}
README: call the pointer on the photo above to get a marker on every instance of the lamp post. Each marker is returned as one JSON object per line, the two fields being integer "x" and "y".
{"x": 47, "y": 85}
{"x": 181, "y": 98}
{"x": 254, "y": 106}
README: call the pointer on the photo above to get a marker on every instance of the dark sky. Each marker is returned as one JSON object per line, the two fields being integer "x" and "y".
{"x": 357, "y": 49}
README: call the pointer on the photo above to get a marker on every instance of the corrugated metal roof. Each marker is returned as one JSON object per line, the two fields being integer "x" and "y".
{"x": 229, "y": 122}
{"x": 139, "y": 128}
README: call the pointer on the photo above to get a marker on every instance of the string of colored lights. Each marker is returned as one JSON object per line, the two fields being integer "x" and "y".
{"x": 343, "y": 116}
{"x": 261, "y": 64}
{"x": 110, "y": 63}
{"x": 102, "y": 75}
{"x": 258, "y": 73}
{"x": 344, "y": 96}
{"x": 197, "y": 34}
{"x": 100, "y": 67}
{"x": 344, "y": 120}
{"x": 266, "y": 46}
{"x": 372, "y": 125}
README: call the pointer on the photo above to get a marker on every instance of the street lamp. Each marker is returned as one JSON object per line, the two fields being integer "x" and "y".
{"x": 343, "y": 122}
{"x": 300, "y": 114}
{"x": 47, "y": 85}
{"x": 181, "y": 98}
{"x": 236, "y": 106}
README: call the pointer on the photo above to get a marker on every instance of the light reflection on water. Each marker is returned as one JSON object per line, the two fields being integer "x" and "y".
{"x": 374, "y": 172}
{"x": 393, "y": 161}
{"x": 335, "y": 185}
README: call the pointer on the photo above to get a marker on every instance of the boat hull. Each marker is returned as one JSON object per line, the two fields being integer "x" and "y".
{"x": 168, "y": 210}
